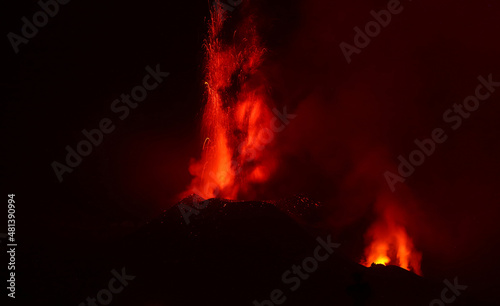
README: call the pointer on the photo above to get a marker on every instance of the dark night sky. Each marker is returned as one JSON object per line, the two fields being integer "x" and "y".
{"x": 396, "y": 90}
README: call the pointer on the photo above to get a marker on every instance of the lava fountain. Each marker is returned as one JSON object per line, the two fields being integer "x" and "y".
{"x": 389, "y": 243}
{"x": 236, "y": 112}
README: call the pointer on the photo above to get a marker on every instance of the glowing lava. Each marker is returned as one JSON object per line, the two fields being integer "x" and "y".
{"x": 390, "y": 243}
{"x": 236, "y": 114}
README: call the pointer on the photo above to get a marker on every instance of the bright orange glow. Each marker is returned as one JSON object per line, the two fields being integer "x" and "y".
{"x": 390, "y": 243}
{"x": 236, "y": 117}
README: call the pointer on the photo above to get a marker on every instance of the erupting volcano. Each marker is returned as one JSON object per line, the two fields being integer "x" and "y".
{"x": 389, "y": 241}
{"x": 236, "y": 113}
{"x": 235, "y": 133}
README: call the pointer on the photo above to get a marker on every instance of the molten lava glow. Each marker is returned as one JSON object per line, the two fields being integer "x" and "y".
{"x": 390, "y": 243}
{"x": 236, "y": 116}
